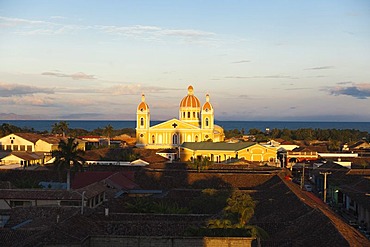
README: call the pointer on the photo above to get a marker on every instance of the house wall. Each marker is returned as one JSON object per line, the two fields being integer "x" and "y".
{"x": 43, "y": 146}
{"x": 12, "y": 159}
{"x": 256, "y": 152}
{"x": 16, "y": 143}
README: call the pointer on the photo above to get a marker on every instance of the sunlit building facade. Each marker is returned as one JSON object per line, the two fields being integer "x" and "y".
{"x": 195, "y": 124}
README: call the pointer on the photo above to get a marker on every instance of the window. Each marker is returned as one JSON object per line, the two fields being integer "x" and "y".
{"x": 193, "y": 114}
{"x": 196, "y": 138}
{"x": 22, "y": 148}
{"x": 188, "y": 114}
{"x": 207, "y": 122}
{"x": 141, "y": 121}
{"x": 184, "y": 114}
{"x": 175, "y": 139}
{"x": 12, "y": 141}
{"x": 29, "y": 148}
{"x": 141, "y": 135}
{"x": 153, "y": 139}
{"x": 8, "y": 147}
{"x": 15, "y": 147}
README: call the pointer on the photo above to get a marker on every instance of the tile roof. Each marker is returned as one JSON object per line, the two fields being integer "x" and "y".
{"x": 27, "y": 155}
{"x": 217, "y": 145}
{"x": 32, "y": 137}
{"x": 39, "y": 194}
{"x": 119, "y": 180}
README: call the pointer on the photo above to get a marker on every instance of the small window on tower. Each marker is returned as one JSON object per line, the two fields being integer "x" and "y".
{"x": 207, "y": 122}
{"x": 193, "y": 114}
{"x": 142, "y": 121}
{"x": 188, "y": 114}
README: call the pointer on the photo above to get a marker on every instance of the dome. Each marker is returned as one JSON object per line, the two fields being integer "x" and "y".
{"x": 143, "y": 106}
{"x": 190, "y": 101}
{"x": 207, "y": 106}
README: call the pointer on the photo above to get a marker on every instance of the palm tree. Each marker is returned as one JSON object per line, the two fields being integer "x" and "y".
{"x": 61, "y": 127}
{"x": 68, "y": 155}
{"x": 108, "y": 132}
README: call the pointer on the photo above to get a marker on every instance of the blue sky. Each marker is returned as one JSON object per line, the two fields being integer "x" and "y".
{"x": 258, "y": 60}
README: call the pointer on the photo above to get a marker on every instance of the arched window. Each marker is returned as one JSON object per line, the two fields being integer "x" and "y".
{"x": 207, "y": 122}
{"x": 153, "y": 139}
{"x": 196, "y": 138}
{"x": 175, "y": 139}
{"x": 184, "y": 115}
{"x": 141, "y": 121}
{"x": 194, "y": 114}
{"x": 188, "y": 114}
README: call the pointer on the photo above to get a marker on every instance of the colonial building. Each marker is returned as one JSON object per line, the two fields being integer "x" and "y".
{"x": 195, "y": 124}
{"x": 224, "y": 152}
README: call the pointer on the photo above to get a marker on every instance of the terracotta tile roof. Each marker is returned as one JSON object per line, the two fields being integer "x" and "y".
{"x": 27, "y": 155}
{"x": 119, "y": 180}
{"x": 51, "y": 140}
{"x": 92, "y": 189}
{"x": 29, "y": 136}
{"x": 39, "y": 194}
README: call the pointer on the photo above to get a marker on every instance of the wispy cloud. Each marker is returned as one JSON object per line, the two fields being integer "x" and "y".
{"x": 8, "y": 90}
{"x": 242, "y": 61}
{"x": 75, "y": 76}
{"x": 11, "y": 22}
{"x": 28, "y": 100}
{"x": 132, "y": 89}
{"x": 356, "y": 90}
{"x": 262, "y": 77}
{"x": 146, "y": 32}
{"x": 321, "y": 68}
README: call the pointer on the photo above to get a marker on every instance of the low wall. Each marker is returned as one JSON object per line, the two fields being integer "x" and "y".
{"x": 133, "y": 241}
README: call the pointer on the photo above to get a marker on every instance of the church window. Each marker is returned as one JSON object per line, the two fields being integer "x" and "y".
{"x": 193, "y": 114}
{"x": 153, "y": 139}
{"x": 175, "y": 139}
{"x": 207, "y": 122}
{"x": 141, "y": 121}
{"x": 196, "y": 138}
{"x": 188, "y": 114}
{"x": 184, "y": 115}
{"x": 141, "y": 135}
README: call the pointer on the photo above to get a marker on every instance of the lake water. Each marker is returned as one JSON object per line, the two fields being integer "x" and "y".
{"x": 41, "y": 125}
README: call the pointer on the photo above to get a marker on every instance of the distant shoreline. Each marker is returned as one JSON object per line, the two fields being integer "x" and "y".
{"x": 42, "y": 125}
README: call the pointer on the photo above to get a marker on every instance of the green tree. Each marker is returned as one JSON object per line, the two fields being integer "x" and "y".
{"x": 241, "y": 206}
{"x": 68, "y": 155}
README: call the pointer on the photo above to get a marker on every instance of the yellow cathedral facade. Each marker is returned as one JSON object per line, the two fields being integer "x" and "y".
{"x": 195, "y": 124}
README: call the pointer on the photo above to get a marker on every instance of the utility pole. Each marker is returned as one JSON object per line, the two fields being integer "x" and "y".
{"x": 325, "y": 182}
{"x": 302, "y": 179}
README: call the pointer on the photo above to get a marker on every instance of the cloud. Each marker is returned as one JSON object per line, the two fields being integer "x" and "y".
{"x": 359, "y": 91}
{"x": 242, "y": 61}
{"x": 28, "y": 100}
{"x": 75, "y": 76}
{"x": 262, "y": 77}
{"x": 8, "y": 90}
{"x": 155, "y": 32}
{"x": 320, "y": 68}
{"x": 132, "y": 89}
{"x": 11, "y": 22}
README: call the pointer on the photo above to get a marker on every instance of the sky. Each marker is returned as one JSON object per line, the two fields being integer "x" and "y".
{"x": 258, "y": 60}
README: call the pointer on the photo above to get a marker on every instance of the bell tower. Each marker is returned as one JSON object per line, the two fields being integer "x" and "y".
{"x": 142, "y": 122}
{"x": 208, "y": 118}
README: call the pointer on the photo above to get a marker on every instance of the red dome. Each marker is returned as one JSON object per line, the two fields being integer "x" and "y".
{"x": 143, "y": 106}
{"x": 207, "y": 106}
{"x": 190, "y": 100}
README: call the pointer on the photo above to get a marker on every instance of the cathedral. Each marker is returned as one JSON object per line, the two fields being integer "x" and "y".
{"x": 195, "y": 124}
